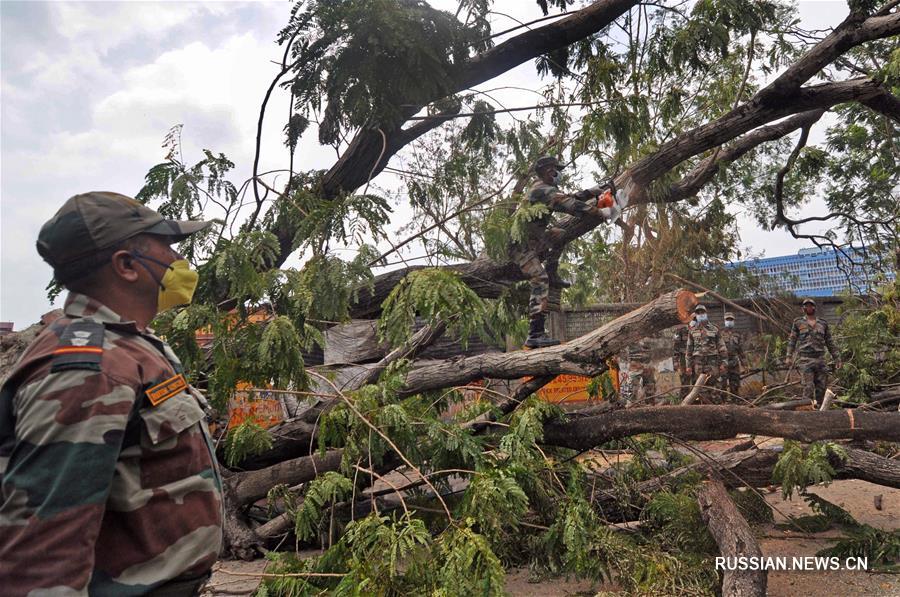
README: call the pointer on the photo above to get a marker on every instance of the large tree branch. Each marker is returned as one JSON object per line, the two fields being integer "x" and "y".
{"x": 706, "y": 170}
{"x": 362, "y": 156}
{"x": 885, "y": 103}
{"x": 734, "y": 537}
{"x": 583, "y": 356}
{"x": 758, "y": 111}
{"x": 722, "y": 422}
{"x": 748, "y": 116}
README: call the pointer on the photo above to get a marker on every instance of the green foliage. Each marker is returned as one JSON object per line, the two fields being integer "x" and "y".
{"x": 244, "y": 440}
{"x": 674, "y": 519}
{"x": 468, "y": 565}
{"x": 239, "y": 263}
{"x": 331, "y": 284}
{"x": 279, "y": 351}
{"x": 526, "y": 430}
{"x": 380, "y": 554}
{"x": 495, "y": 503}
{"x": 361, "y": 56}
{"x": 500, "y": 230}
{"x": 346, "y": 219}
{"x": 798, "y": 467}
{"x": 435, "y": 295}
{"x": 868, "y": 333}
{"x": 752, "y": 506}
{"x": 880, "y": 547}
{"x": 326, "y": 489}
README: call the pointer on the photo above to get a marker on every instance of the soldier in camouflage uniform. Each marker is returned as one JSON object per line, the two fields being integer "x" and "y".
{"x": 641, "y": 377}
{"x": 528, "y": 255}
{"x": 734, "y": 344}
{"x": 109, "y": 480}
{"x": 705, "y": 352}
{"x": 809, "y": 338}
{"x": 679, "y": 347}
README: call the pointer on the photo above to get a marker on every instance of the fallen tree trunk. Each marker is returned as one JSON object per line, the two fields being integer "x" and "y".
{"x": 722, "y": 422}
{"x": 734, "y": 538}
{"x": 585, "y": 355}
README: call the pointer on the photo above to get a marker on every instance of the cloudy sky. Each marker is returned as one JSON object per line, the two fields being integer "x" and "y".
{"x": 89, "y": 90}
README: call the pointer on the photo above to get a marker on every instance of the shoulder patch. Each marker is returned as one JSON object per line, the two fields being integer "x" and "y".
{"x": 164, "y": 390}
{"x": 80, "y": 347}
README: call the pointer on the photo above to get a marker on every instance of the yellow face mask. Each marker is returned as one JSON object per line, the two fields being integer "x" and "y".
{"x": 177, "y": 285}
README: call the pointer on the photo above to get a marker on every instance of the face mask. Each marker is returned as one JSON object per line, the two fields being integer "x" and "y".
{"x": 177, "y": 285}
{"x": 729, "y": 323}
{"x": 701, "y": 317}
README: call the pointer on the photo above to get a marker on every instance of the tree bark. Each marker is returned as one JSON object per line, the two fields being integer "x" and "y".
{"x": 583, "y": 356}
{"x": 867, "y": 466}
{"x": 721, "y": 422}
{"x": 247, "y": 487}
{"x": 734, "y": 538}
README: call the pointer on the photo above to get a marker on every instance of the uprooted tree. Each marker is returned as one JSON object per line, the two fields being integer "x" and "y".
{"x": 690, "y": 108}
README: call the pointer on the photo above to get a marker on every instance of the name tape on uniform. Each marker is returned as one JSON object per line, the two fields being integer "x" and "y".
{"x": 165, "y": 390}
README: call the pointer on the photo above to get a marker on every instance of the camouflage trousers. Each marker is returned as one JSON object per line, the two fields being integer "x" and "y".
{"x": 710, "y": 366}
{"x": 531, "y": 266}
{"x": 731, "y": 381}
{"x": 684, "y": 378}
{"x": 815, "y": 377}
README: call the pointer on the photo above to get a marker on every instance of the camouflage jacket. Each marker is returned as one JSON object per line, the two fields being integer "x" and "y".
{"x": 705, "y": 341}
{"x": 556, "y": 200}
{"x": 734, "y": 344}
{"x": 810, "y": 341}
{"x": 109, "y": 481}
{"x": 679, "y": 345}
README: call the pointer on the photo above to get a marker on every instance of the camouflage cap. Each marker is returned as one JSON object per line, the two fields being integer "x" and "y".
{"x": 808, "y": 301}
{"x": 729, "y": 315}
{"x": 699, "y": 309}
{"x": 544, "y": 161}
{"x": 94, "y": 221}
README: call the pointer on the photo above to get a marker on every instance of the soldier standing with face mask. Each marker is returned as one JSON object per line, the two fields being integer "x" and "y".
{"x": 527, "y": 255}
{"x": 109, "y": 480}
{"x": 734, "y": 344}
{"x": 809, "y": 338}
{"x": 706, "y": 352}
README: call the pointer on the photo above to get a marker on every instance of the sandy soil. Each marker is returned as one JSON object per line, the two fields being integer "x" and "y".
{"x": 857, "y": 497}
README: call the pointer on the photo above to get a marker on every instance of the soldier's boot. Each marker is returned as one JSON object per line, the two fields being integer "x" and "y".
{"x": 537, "y": 337}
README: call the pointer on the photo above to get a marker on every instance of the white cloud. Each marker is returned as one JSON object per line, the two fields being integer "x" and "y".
{"x": 213, "y": 88}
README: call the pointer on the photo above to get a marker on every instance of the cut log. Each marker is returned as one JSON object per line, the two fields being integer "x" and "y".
{"x": 705, "y": 422}
{"x": 734, "y": 538}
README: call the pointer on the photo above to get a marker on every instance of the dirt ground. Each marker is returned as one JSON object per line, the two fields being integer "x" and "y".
{"x": 857, "y": 497}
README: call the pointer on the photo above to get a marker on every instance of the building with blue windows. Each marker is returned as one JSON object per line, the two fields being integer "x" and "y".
{"x": 818, "y": 272}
